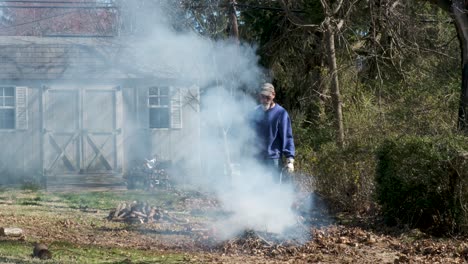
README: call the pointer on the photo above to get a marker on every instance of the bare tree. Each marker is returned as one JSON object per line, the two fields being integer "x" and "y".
{"x": 330, "y": 26}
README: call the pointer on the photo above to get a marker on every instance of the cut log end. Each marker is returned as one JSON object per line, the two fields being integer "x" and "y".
{"x": 11, "y": 231}
{"x": 41, "y": 251}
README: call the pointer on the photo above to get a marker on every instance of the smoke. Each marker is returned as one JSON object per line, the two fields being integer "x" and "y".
{"x": 258, "y": 203}
{"x": 221, "y": 69}
{"x": 251, "y": 196}
{"x": 198, "y": 60}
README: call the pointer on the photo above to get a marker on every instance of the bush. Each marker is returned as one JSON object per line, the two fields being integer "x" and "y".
{"x": 308, "y": 137}
{"x": 421, "y": 181}
{"x": 346, "y": 176}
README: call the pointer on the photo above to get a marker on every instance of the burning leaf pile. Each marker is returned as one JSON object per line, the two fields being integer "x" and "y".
{"x": 306, "y": 242}
{"x": 140, "y": 212}
{"x": 345, "y": 243}
{"x": 256, "y": 243}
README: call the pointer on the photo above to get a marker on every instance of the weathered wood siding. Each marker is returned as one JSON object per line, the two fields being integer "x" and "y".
{"x": 24, "y": 155}
{"x": 20, "y": 155}
{"x": 178, "y": 145}
{"x": 37, "y": 144}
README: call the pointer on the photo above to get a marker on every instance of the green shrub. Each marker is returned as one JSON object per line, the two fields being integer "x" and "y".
{"x": 308, "y": 137}
{"x": 345, "y": 176}
{"x": 421, "y": 181}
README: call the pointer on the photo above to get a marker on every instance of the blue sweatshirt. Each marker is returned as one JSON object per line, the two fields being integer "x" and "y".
{"x": 274, "y": 133}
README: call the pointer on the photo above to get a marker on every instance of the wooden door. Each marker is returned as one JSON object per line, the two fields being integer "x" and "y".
{"x": 101, "y": 130}
{"x": 82, "y": 131}
{"x": 62, "y": 133}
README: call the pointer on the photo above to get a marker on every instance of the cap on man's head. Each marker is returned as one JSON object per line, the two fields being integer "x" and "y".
{"x": 267, "y": 89}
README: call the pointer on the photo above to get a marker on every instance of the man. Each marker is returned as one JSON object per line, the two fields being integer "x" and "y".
{"x": 272, "y": 126}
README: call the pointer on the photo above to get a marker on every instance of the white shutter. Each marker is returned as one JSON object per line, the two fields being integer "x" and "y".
{"x": 21, "y": 117}
{"x": 176, "y": 108}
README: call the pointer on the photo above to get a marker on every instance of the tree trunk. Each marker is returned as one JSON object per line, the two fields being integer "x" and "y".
{"x": 318, "y": 89}
{"x": 335, "y": 85}
{"x": 459, "y": 12}
{"x": 461, "y": 23}
{"x": 234, "y": 27}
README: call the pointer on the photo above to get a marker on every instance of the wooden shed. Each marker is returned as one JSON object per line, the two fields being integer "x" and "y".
{"x": 77, "y": 110}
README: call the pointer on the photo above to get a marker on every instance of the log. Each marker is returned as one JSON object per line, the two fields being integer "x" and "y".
{"x": 119, "y": 208}
{"x": 122, "y": 214}
{"x": 11, "y": 231}
{"x": 142, "y": 212}
{"x": 139, "y": 214}
{"x": 41, "y": 251}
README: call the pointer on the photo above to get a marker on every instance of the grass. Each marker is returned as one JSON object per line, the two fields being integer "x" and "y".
{"x": 106, "y": 200}
{"x": 37, "y": 204}
{"x": 41, "y": 201}
{"x": 64, "y": 252}
{"x": 90, "y": 199}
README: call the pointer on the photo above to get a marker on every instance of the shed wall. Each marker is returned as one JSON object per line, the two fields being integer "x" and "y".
{"x": 21, "y": 155}
{"x": 180, "y": 146}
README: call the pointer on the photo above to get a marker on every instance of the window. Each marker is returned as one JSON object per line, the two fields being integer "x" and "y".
{"x": 159, "y": 107}
{"x": 7, "y": 107}
{"x": 165, "y": 107}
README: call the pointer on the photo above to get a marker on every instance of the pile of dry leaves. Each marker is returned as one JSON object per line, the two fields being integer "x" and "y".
{"x": 346, "y": 243}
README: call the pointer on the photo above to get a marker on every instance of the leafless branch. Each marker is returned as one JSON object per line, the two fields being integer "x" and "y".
{"x": 337, "y": 8}
{"x": 294, "y": 19}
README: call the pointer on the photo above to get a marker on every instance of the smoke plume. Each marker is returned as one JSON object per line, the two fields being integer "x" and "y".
{"x": 221, "y": 69}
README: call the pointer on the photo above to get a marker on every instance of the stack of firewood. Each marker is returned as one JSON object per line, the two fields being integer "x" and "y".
{"x": 139, "y": 212}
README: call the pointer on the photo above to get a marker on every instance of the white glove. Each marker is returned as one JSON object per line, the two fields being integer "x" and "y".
{"x": 290, "y": 165}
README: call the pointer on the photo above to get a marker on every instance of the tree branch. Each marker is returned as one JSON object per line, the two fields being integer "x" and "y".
{"x": 295, "y": 20}
{"x": 337, "y": 7}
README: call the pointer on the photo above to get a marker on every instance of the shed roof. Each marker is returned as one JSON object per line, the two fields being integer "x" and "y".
{"x": 52, "y": 58}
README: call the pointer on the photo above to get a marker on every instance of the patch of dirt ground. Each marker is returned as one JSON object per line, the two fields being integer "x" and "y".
{"x": 53, "y": 221}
